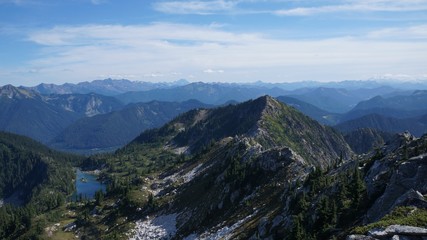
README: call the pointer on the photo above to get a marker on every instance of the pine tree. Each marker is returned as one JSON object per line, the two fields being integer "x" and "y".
{"x": 99, "y": 197}
{"x": 357, "y": 190}
{"x": 298, "y": 232}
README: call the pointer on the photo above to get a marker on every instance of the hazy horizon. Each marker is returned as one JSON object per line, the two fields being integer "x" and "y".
{"x": 411, "y": 84}
{"x": 212, "y": 40}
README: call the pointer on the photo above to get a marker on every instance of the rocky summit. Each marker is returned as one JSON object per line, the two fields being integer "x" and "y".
{"x": 245, "y": 163}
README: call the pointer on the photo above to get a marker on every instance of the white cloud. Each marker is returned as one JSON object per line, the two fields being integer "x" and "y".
{"x": 399, "y": 77}
{"x": 19, "y": 2}
{"x": 213, "y": 71}
{"x": 194, "y": 7}
{"x": 415, "y": 33}
{"x": 321, "y": 7}
{"x": 157, "y": 51}
{"x": 160, "y": 74}
{"x": 358, "y": 6}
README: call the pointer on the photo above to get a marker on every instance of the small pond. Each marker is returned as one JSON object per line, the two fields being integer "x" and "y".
{"x": 86, "y": 185}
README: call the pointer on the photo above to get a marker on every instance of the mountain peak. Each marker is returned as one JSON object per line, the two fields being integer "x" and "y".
{"x": 270, "y": 103}
{"x": 13, "y": 92}
{"x": 265, "y": 120}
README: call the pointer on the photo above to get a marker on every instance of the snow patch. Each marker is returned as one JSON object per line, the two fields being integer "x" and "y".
{"x": 224, "y": 232}
{"x": 419, "y": 157}
{"x": 180, "y": 150}
{"x": 191, "y": 174}
{"x": 160, "y": 227}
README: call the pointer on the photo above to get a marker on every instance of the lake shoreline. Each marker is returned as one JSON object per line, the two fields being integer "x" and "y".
{"x": 87, "y": 183}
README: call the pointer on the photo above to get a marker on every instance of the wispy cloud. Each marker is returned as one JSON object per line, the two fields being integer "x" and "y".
{"x": 195, "y": 7}
{"x": 156, "y": 51}
{"x": 400, "y": 77}
{"x": 418, "y": 32}
{"x": 19, "y": 2}
{"x": 322, "y": 7}
{"x": 210, "y": 71}
{"x": 358, "y": 6}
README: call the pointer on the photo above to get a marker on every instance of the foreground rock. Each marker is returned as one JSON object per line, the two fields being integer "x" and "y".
{"x": 393, "y": 232}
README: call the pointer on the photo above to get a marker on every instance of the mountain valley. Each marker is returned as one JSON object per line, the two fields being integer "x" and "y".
{"x": 258, "y": 167}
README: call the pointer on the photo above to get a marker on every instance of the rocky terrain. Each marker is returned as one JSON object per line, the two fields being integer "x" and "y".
{"x": 250, "y": 185}
{"x": 255, "y": 170}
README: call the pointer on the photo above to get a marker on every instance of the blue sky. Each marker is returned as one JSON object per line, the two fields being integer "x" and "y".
{"x": 57, "y": 41}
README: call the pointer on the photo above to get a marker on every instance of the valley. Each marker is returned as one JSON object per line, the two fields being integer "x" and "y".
{"x": 256, "y": 167}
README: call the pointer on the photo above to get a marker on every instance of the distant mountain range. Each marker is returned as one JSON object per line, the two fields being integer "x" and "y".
{"x": 338, "y": 100}
{"x": 393, "y": 114}
{"x": 25, "y": 112}
{"x": 218, "y": 93}
{"x": 310, "y": 110}
{"x": 107, "y": 87}
{"x": 416, "y": 125}
{"x": 401, "y": 106}
{"x": 115, "y": 129}
{"x": 81, "y": 116}
{"x": 42, "y": 117}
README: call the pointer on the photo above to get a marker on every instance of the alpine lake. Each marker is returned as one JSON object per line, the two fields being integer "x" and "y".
{"x": 86, "y": 185}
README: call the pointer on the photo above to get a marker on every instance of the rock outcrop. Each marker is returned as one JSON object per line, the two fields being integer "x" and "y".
{"x": 393, "y": 232}
{"x": 397, "y": 180}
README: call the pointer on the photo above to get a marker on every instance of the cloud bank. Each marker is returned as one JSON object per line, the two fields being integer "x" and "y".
{"x": 160, "y": 50}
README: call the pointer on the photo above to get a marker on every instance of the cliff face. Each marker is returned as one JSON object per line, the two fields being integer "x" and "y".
{"x": 398, "y": 177}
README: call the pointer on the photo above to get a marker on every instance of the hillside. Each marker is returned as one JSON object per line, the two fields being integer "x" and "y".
{"x": 43, "y": 117}
{"x": 337, "y": 100}
{"x": 115, "y": 129}
{"x": 397, "y": 105}
{"x": 33, "y": 177}
{"x": 310, "y": 110}
{"x": 365, "y": 140}
{"x": 24, "y": 112}
{"x": 415, "y": 101}
{"x": 416, "y": 125}
{"x": 85, "y": 105}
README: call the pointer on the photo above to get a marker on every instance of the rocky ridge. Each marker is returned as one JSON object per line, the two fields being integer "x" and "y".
{"x": 240, "y": 183}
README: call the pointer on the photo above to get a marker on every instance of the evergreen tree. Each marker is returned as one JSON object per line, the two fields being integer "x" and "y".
{"x": 357, "y": 189}
{"x": 298, "y": 232}
{"x": 99, "y": 197}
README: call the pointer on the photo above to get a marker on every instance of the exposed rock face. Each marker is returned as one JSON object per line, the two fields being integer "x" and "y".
{"x": 85, "y": 104}
{"x": 11, "y": 92}
{"x": 397, "y": 180}
{"x": 360, "y": 237}
{"x": 393, "y": 232}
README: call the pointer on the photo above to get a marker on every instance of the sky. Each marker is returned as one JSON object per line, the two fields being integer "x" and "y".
{"x": 58, "y": 41}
